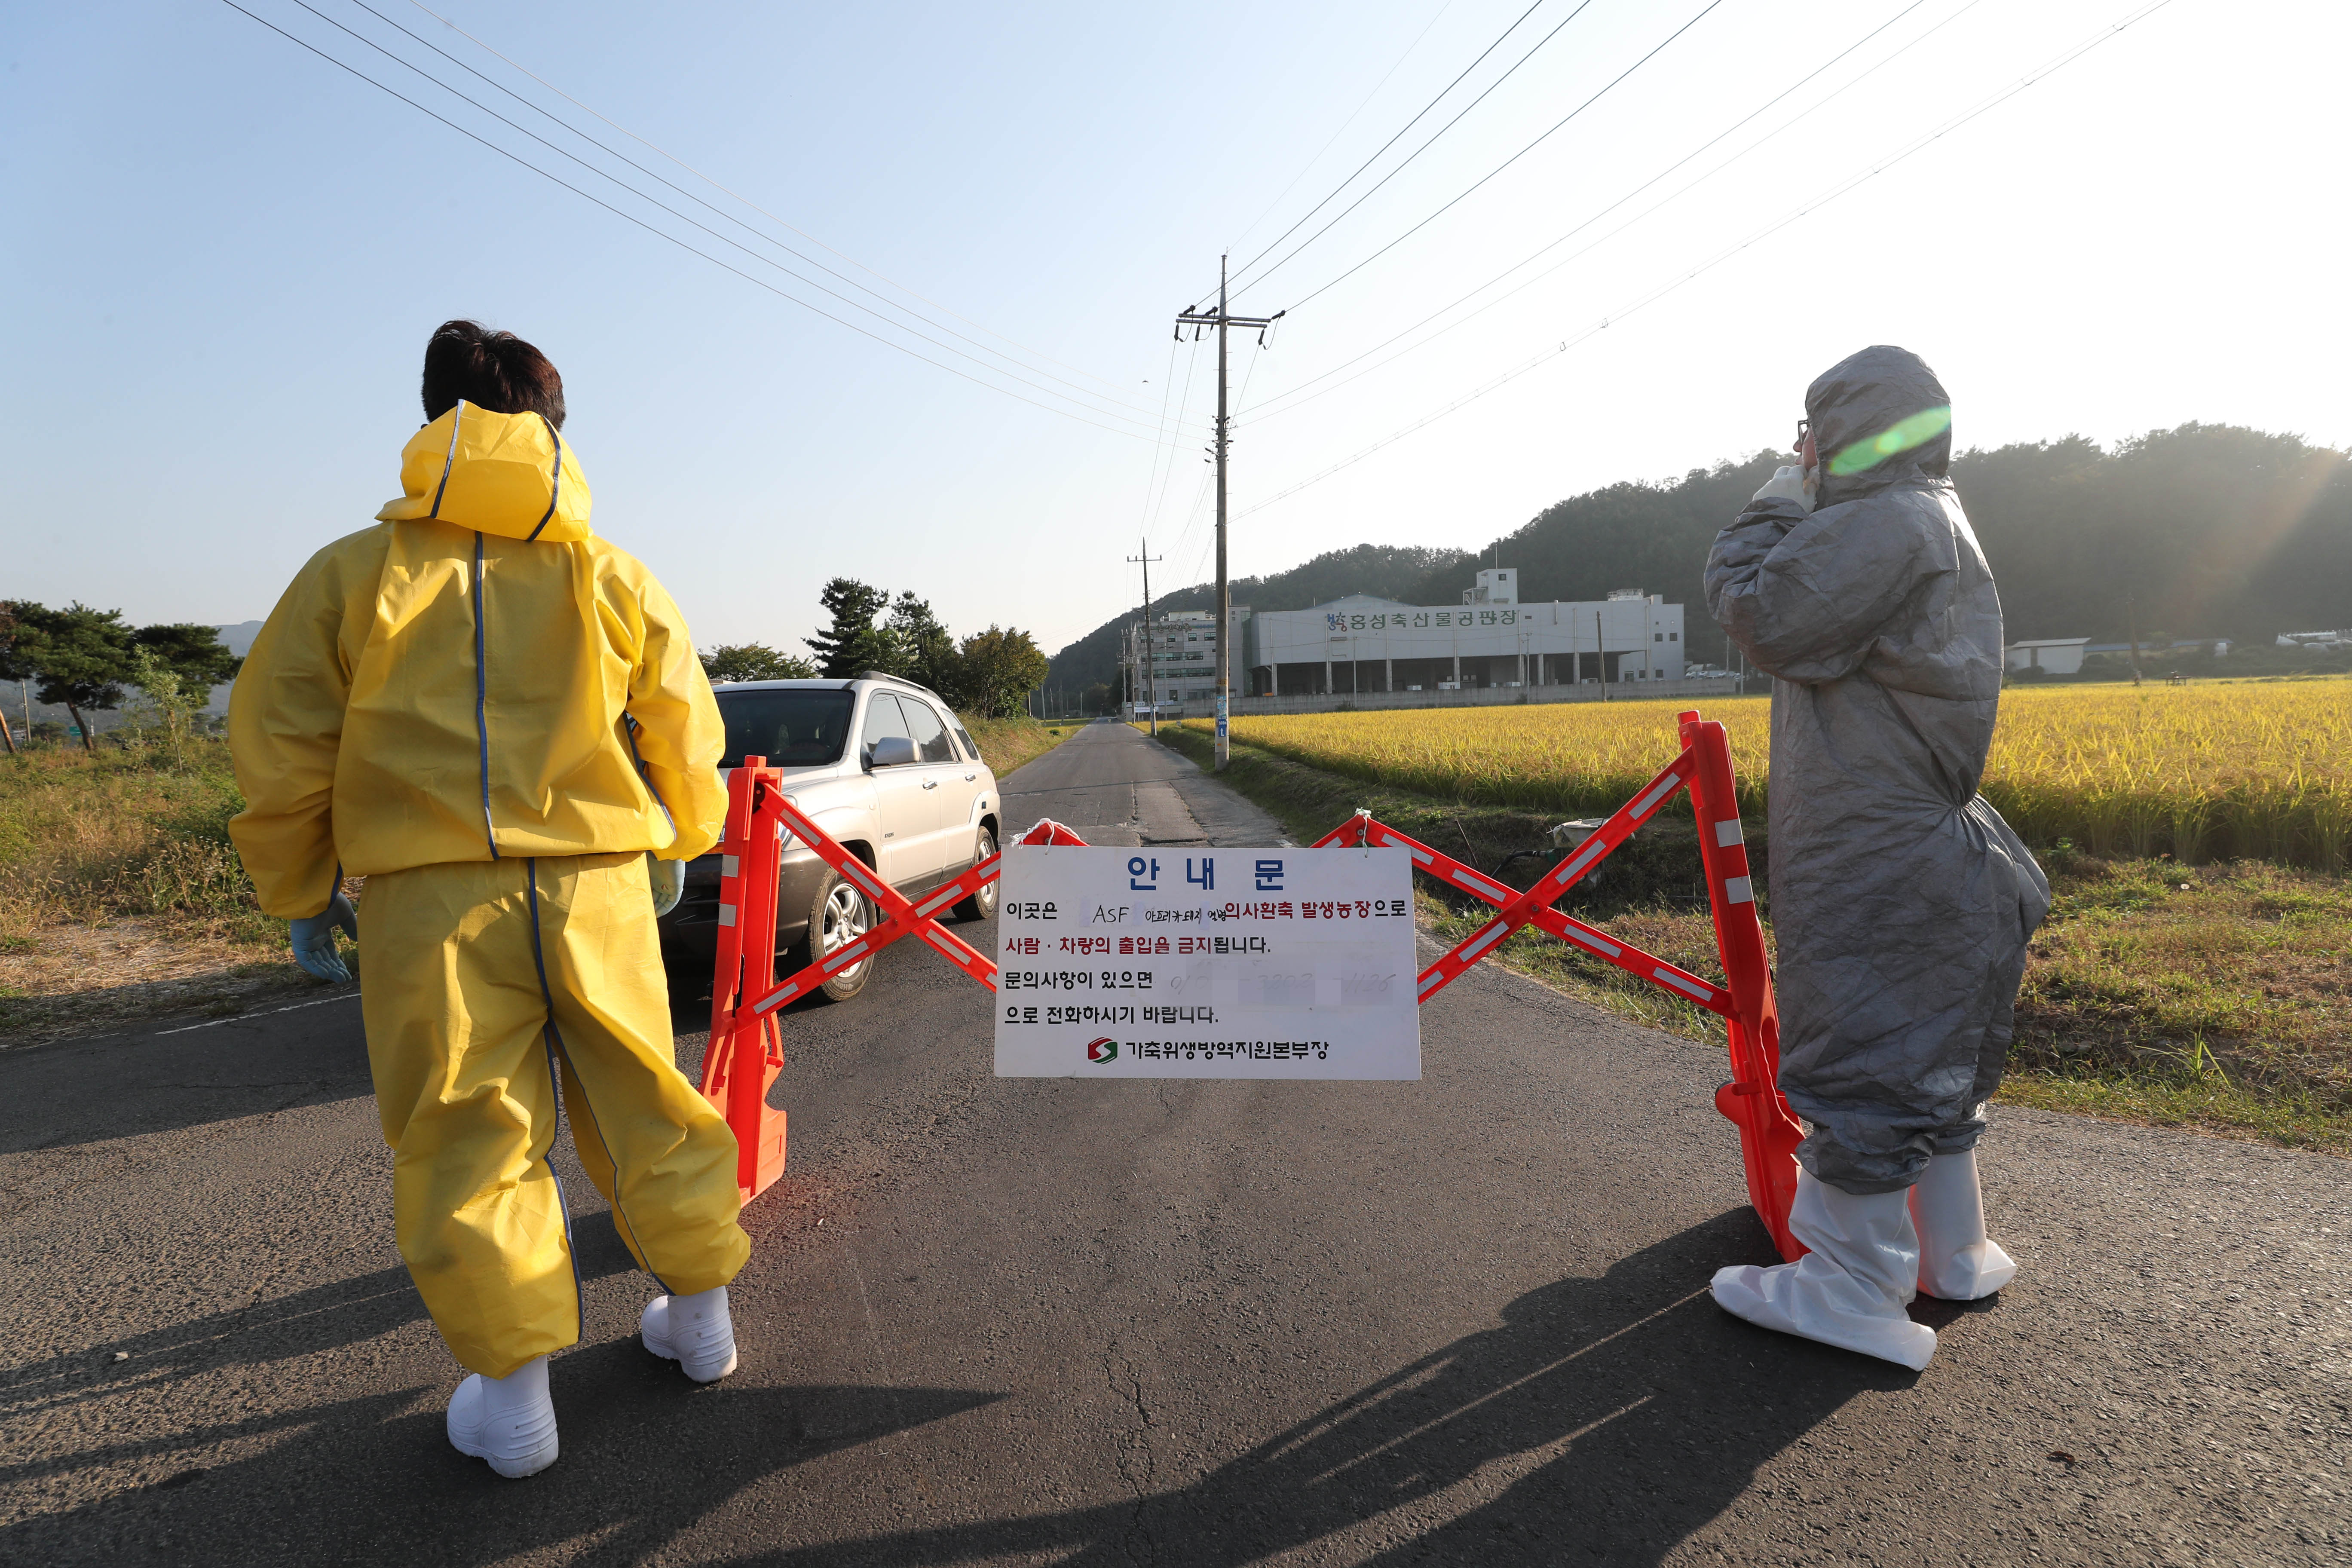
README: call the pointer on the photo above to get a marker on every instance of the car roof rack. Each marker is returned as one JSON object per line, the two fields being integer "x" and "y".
{"x": 902, "y": 680}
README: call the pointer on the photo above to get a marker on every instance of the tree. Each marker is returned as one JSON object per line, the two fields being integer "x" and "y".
{"x": 928, "y": 653}
{"x": 851, "y": 644}
{"x": 1000, "y": 668}
{"x": 192, "y": 652}
{"x": 82, "y": 656}
{"x": 755, "y": 661}
{"x": 14, "y": 666}
{"x": 172, "y": 699}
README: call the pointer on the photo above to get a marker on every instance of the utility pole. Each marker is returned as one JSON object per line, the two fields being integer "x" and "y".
{"x": 1144, "y": 671}
{"x": 1222, "y": 319}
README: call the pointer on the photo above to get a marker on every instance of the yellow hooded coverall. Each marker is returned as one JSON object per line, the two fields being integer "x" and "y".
{"x": 492, "y": 715}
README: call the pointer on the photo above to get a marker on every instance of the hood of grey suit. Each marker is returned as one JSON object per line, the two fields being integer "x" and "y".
{"x": 1901, "y": 902}
{"x": 1866, "y": 395}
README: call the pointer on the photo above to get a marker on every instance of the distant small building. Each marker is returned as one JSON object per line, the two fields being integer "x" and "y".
{"x": 2058, "y": 656}
{"x": 1172, "y": 661}
{"x": 2316, "y": 641}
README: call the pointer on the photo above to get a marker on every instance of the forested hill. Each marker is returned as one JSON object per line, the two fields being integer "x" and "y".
{"x": 2204, "y": 531}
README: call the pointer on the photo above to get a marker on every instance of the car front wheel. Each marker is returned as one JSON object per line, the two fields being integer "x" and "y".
{"x": 839, "y": 915}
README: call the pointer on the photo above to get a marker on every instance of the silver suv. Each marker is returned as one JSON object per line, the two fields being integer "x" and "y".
{"x": 886, "y": 769}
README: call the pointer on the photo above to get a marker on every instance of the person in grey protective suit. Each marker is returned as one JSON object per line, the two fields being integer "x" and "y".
{"x": 1901, "y": 902}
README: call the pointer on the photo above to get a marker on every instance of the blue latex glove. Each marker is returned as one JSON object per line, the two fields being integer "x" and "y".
{"x": 314, "y": 939}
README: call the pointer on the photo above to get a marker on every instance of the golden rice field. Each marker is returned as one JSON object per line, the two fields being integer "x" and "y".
{"x": 2220, "y": 771}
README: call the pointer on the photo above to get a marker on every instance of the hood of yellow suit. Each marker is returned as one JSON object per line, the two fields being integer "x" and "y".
{"x": 507, "y": 474}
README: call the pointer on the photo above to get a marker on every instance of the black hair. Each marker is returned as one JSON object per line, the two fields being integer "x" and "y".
{"x": 492, "y": 370}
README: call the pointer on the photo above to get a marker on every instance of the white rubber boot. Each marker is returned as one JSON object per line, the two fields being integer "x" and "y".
{"x": 692, "y": 1331}
{"x": 1851, "y": 1288}
{"x": 510, "y": 1420}
{"x": 1956, "y": 1262}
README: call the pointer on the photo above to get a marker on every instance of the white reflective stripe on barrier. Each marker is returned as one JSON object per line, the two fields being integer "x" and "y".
{"x": 1495, "y": 933}
{"x": 727, "y": 914}
{"x": 1726, "y": 832}
{"x": 1658, "y": 792}
{"x": 730, "y": 866}
{"x": 934, "y": 902}
{"x": 1738, "y": 890}
{"x": 1574, "y": 866}
{"x": 1703, "y": 993}
{"x": 1482, "y": 887}
{"x": 1586, "y": 939}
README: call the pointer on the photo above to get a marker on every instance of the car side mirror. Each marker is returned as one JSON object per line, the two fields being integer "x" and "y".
{"x": 891, "y": 752}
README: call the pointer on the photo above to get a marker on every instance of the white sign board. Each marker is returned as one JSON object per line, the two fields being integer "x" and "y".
{"x": 1206, "y": 963}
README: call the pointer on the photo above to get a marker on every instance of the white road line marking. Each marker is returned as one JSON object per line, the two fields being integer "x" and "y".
{"x": 241, "y": 1017}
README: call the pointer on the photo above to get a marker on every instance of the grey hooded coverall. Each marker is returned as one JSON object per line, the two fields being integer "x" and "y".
{"x": 1901, "y": 902}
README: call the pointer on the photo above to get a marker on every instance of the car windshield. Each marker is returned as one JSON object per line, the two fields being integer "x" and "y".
{"x": 791, "y": 728}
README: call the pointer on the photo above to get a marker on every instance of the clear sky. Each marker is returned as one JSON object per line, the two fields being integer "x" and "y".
{"x": 224, "y": 255}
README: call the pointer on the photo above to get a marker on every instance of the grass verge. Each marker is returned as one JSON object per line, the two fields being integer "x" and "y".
{"x": 2213, "y": 998}
{"x": 1008, "y": 743}
{"x": 119, "y": 892}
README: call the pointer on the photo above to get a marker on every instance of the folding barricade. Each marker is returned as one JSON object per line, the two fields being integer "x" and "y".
{"x": 746, "y": 1049}
{"x": 1768, "y": 1133}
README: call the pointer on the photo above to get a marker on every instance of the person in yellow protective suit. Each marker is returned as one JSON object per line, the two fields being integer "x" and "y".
{"x": 500, "y": 721}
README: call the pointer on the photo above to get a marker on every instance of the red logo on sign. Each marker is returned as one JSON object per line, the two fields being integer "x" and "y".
{"x": 1103, "y": 1050}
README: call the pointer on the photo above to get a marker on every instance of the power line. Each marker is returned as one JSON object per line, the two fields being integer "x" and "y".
{"x": 1507, "y": 162}
{"x": 1852, "y": 182}
{"x": 1160, "y": 442}
{"x": 652, "y": 174}
{"x": 1408, "y": 125}
{"x": 1127, "y": 411}
{"x": 1359, "y": 108}
{"x": 747, "y": 201}
{"x": 1168, "y": 474}
{"x": 1292, "y": 394}
{"x": 1249, "y": 370}
{"x": 682, "y": 244}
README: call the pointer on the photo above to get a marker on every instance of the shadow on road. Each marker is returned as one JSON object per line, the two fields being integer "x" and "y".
{"x": 319, "y": 1320}
{"x": 73, "y": 1092}
{"x": 645, "y": 1453}
{"x": 1604, "y": 1420}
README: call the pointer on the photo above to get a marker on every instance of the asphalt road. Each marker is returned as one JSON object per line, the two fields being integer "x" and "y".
{"x": 1076, "y": 1322}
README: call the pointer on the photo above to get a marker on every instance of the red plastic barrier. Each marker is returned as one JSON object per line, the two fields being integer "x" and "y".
{"x": 746, "y": 1049}
{"x": 1768, "y": 1133}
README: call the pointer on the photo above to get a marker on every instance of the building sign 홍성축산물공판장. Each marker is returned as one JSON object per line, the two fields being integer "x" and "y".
{"x": 1206, "y": 963}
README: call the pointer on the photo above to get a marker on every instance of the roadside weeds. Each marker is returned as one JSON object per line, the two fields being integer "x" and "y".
{"x": 2216, "y": 998}
{"x": 121, "y": 897}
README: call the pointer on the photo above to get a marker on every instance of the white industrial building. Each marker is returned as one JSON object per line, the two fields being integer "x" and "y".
{"x": 1360, "y": 644}
{"x": 2059, "y": 655}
